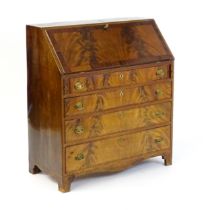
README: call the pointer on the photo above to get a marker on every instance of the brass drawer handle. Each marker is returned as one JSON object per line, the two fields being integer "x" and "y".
{"x": 79, "y": 130}
{"x": 160, "y": 73}
{"x": 158, "y": 140}
{"x": 79, "y": 106}
{"x": 158, "y": 92}
{"x": 79, "y": 85}
{"x": 79, "y": 156}
{"x": 159, "y": 113}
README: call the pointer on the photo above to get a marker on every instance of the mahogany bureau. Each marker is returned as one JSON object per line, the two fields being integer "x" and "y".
{"x": 100, "y": 97}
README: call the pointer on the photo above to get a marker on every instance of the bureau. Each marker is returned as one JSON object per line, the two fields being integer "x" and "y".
{"x": 100, "y": 97}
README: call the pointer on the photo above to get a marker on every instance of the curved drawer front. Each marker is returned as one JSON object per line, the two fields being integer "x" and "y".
{"x": 114, "y": 149}
{"x": 117, "y": 98}
{"x": 99, "y": 125}
{"x": 78, "y": 85}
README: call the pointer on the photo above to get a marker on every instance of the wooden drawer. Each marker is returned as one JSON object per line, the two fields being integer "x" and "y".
{"x": 98, "y": 125}
{"x": 117, "y": 98}
{"x": 91, "y": 82}
{"x": 121, "y": 147}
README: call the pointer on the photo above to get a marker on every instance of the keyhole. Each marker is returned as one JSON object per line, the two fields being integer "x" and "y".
{"x": 121, "y": 76}
{"x": 121, "y": 93}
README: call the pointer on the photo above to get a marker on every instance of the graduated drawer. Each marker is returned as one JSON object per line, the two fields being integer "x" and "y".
{"x": 117, "y": 148}
{"x": 80, "y": 84}
{"x": 116, "y": 98}
{"x": 80, "y": 129}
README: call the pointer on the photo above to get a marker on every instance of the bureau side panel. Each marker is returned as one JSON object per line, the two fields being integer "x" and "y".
{"x": 44, "y": 105}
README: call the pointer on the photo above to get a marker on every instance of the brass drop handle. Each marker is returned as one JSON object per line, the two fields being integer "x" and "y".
{"x": 158, "y": 92}
{"x": 158, "y": 140}
{"x": 79, "y": 130}
{"x": 160, "y": 73}
{"x": 159, "y": 113}
{"x": 79, "y": 156}
{"x": 79, "y": 106}
{"x": 79, "y": 85}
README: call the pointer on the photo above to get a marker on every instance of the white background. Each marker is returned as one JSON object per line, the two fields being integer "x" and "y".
{"x": 149, "y": 185}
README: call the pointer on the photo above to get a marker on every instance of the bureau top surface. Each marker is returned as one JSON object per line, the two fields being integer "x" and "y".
{"x": 87, "y": 22}
{"x": 81, "y": 47}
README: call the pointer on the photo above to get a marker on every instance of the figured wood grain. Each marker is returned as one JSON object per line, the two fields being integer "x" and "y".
{"x": 118, "y": 165}
{"x": 87, "y": 48}
{"x": 100, "y": 125}
{"x": 124, "y": 96}
{"x": 118, "y": 148}
{"x": 114, "y": 79}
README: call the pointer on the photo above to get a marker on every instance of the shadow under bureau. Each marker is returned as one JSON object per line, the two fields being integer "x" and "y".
{"x": 100, "y": 97}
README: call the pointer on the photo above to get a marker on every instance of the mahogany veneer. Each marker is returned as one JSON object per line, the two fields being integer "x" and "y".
{"x": 100, "y": 97}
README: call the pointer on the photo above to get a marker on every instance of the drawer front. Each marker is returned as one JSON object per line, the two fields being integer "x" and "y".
{"x": 97, "y": 125}
{"x": 114, "y": 149}
{"x": 117, "y": 98}
{"x": 77, "y": 85}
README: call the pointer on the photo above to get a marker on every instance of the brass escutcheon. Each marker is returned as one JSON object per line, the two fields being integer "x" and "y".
{"x": 121, "y": 76}
{"x": 159, "y": 113}
{"x": 121, "y": 93}
{"x": 158, "y": 140}
{"x": 79, "y": 156}
{"x": 158, "y": 92}
{"x": 122, "y": 141}
{"x": 160, "y": 73}
{"x": 79, "y": 106}
{"x": 79, "y": 85}
{"x": 79, "y": 129}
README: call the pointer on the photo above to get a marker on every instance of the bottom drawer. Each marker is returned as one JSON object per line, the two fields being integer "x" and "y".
{"x": 90, "y": 154}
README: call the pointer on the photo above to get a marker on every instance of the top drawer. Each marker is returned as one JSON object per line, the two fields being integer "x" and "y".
{"x": 91, "y": 82}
